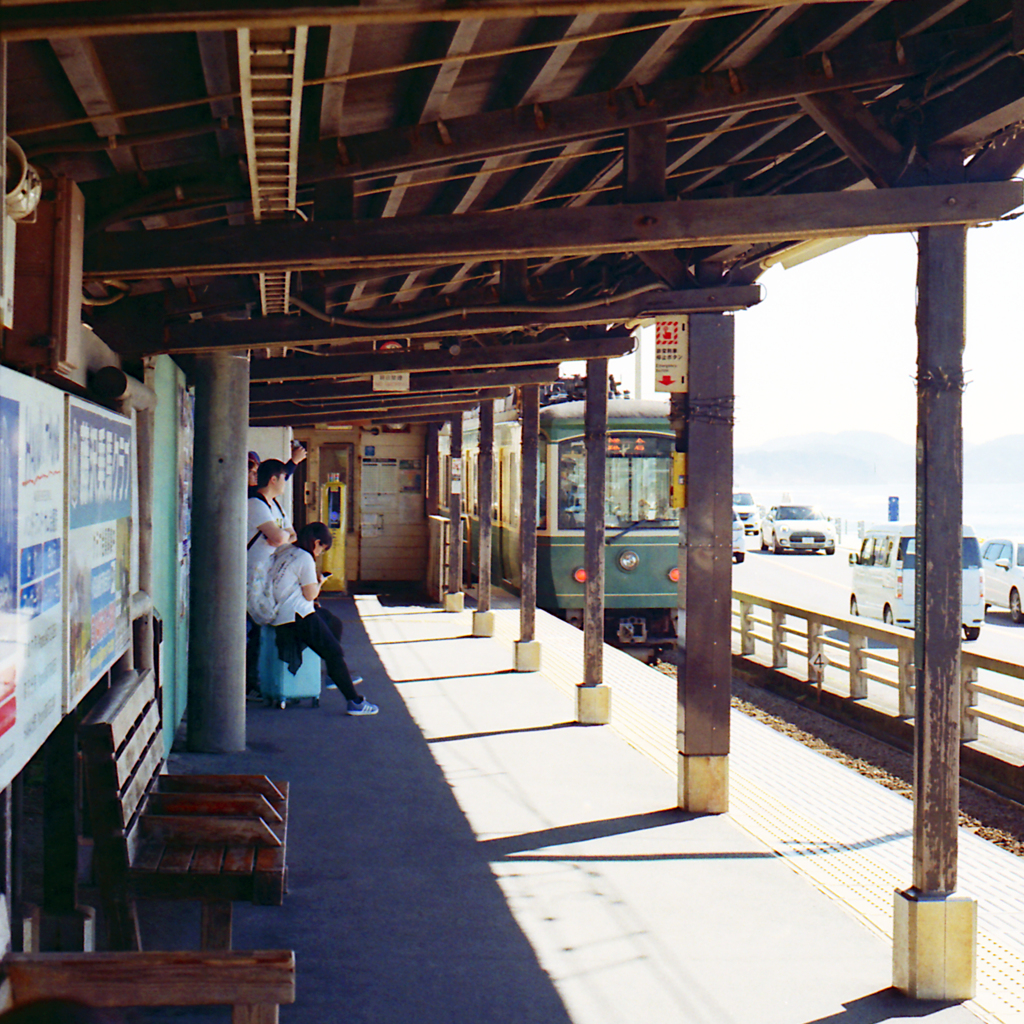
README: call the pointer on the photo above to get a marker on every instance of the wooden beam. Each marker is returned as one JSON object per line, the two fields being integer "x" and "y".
{"x": 405, "y": 414}
{"x": 148, "y": 337}
{"x": 856, "y": 131}
{"x": 319, "y": 367}
{"x": 523, "y": 233}
{"x": 37, "y": 19}
{"x": 381, "y": 401}
{"x": 420, "y": 383}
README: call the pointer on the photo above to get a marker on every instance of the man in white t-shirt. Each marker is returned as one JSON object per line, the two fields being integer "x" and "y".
{"x": 296, "y": 583}
{"x": 268, "y": 528}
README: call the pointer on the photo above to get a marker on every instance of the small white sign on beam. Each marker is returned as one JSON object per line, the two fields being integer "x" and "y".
{"x": 672, "y": 353}
{"x": 391, "y": 381}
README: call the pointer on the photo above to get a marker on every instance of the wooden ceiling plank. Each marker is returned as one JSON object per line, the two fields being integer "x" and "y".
{"x": 412, "y": 241}
{"x": 339, "y": 60}
{"x": 31, "y": 19}
{"x": 477, "y": 136}
{"x": 375, "y": 401}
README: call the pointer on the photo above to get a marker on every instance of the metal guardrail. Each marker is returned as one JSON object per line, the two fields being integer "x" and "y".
{"x": 787, "y": 630}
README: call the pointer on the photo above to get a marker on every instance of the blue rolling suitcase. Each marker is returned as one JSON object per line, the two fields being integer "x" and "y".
{"x": 277, "y": 684}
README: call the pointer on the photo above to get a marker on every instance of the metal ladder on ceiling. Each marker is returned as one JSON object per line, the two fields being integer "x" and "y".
{"x": 271, "y": 70}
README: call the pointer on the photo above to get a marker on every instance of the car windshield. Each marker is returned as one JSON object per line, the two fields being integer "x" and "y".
{"x": 970, "y": 553}
{"x": 799, "y": 512}
{"x": 639, "y": 471}
{"x": 742, "y": 498}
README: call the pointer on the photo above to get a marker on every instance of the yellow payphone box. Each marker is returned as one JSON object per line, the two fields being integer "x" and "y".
{"x": 332, "y": 509}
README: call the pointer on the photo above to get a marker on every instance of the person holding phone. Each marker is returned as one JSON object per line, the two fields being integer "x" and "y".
{"x": 300, "y": 622}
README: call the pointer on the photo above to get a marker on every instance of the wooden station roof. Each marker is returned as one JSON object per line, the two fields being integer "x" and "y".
{"x": 473, "y": 190}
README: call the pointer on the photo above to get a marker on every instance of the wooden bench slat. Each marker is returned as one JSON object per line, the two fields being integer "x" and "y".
{"x": 176, "y": 859}
{"x": 180, "y": 978}
{"x": 139, "y": 741}
{"x": 213, "y": 803}
{"x": 238, "y": 860}
{"x": 148, "y": 856}
{"x": 225, "y": 784}
{"x": 203, "y": 828}
{"x": 116, "y": 712}
{"x": 208, "y": 860}
{"x": 133, "y": 795}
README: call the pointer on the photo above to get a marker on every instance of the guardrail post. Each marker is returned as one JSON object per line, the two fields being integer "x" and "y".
{"x": 746, "y": 628}
{"x": 815, "y": 661}
{"x": 858, "y": 682}
{"x": 968, "y": 699}
{"x": 779, "y": 659}
{"x": 905, "y": 674}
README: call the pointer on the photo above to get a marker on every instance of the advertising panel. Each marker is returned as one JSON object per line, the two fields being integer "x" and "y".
{"x": 99, "y": 504}
{"x": 32, "y": 563}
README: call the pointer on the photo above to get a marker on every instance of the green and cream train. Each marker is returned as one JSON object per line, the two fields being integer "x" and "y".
{"x": 641, "y": 526}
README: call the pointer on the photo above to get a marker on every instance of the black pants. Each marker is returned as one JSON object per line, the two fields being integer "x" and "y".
{"x": 321, "y": 633}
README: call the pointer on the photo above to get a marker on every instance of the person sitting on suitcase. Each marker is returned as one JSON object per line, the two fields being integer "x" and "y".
{"x": 295, "y": 583}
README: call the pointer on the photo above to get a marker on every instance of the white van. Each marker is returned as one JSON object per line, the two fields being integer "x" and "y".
{"x": 883, "y": 578}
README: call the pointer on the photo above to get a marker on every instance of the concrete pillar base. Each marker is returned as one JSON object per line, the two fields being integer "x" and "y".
{"x": 527, "y": 656}
{"x": 483, "y": 623}
{"x": 74, "y": 932}
{"x": 934, "y": 945}
{"x": 593, "y": 705}
{"x": 704, "y": 783}
{"x": 454, "y": 602}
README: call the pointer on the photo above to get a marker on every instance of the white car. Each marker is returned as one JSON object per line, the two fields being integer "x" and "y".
{"x": 739, "y": 538}
{"x": 797, "y": 528}
{"x": 1002, "y": 560}
{"x": 749, "y": 513}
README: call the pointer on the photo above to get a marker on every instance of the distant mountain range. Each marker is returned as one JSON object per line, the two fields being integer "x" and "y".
{"x": 855, "y": 457}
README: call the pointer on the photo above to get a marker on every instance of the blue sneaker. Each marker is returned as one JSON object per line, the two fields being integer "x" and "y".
{"x": 364, "y": 707}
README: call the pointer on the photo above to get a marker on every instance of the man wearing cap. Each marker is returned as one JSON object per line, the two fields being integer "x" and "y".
{"x": 298, "y": 455}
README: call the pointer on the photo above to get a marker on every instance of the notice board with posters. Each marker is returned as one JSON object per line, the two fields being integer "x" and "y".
{"x": 32, "y": 564}
{"x": 99, "y": 538}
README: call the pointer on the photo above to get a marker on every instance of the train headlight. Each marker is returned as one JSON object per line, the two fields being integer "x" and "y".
{"x": 580, "y": 575}
{"x": 673, "y": 574}
{"x": 628, "y": 561}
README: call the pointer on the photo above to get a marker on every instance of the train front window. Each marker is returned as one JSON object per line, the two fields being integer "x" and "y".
{"x": 638, "y": 473}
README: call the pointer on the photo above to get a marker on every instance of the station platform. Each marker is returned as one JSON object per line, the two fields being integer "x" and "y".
{"x": 471, "y": 854}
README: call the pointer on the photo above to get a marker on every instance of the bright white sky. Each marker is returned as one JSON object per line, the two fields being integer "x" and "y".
{"x": 832, "y": 347}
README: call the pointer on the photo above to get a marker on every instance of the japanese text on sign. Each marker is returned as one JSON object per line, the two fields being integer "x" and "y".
{"x": 671, "y": 354}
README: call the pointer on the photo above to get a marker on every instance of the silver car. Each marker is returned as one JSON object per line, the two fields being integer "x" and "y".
{"x": 1002, "y": 560}
{"x": 797, "y": 528}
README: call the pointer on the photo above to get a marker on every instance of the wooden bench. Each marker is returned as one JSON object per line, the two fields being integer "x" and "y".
{"x": 254, "y": 984}
{"x": 211, "y": 838}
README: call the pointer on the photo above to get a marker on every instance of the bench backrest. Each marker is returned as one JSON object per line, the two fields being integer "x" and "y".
{"x": 122, "y": 744}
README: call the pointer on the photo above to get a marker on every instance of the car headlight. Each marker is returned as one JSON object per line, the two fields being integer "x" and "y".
{"x": 628, "y": 561}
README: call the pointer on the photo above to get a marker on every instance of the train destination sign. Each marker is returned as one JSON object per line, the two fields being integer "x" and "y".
{"x": 671, "y": 354}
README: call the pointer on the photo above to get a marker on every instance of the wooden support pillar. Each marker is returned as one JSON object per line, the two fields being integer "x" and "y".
{"x": 593, "y": 697}
{"x": 704, "y": 679}
{"x": 527, "y": 656}
{"x": 483, "y": 617}
{"x": 454, "y": 599}
{"x": 935, "y": 932}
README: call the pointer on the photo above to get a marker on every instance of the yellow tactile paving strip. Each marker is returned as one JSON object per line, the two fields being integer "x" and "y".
{"x": 860, "y": 860}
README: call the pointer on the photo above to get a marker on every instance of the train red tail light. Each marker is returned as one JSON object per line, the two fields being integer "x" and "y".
{"x": 580, "y": 575}
{"x": 673, "y": 574}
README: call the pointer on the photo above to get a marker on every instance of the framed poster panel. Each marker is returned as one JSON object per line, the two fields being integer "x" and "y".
{"x": 99, "y": 539}
{"x": 32, "y": 564}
